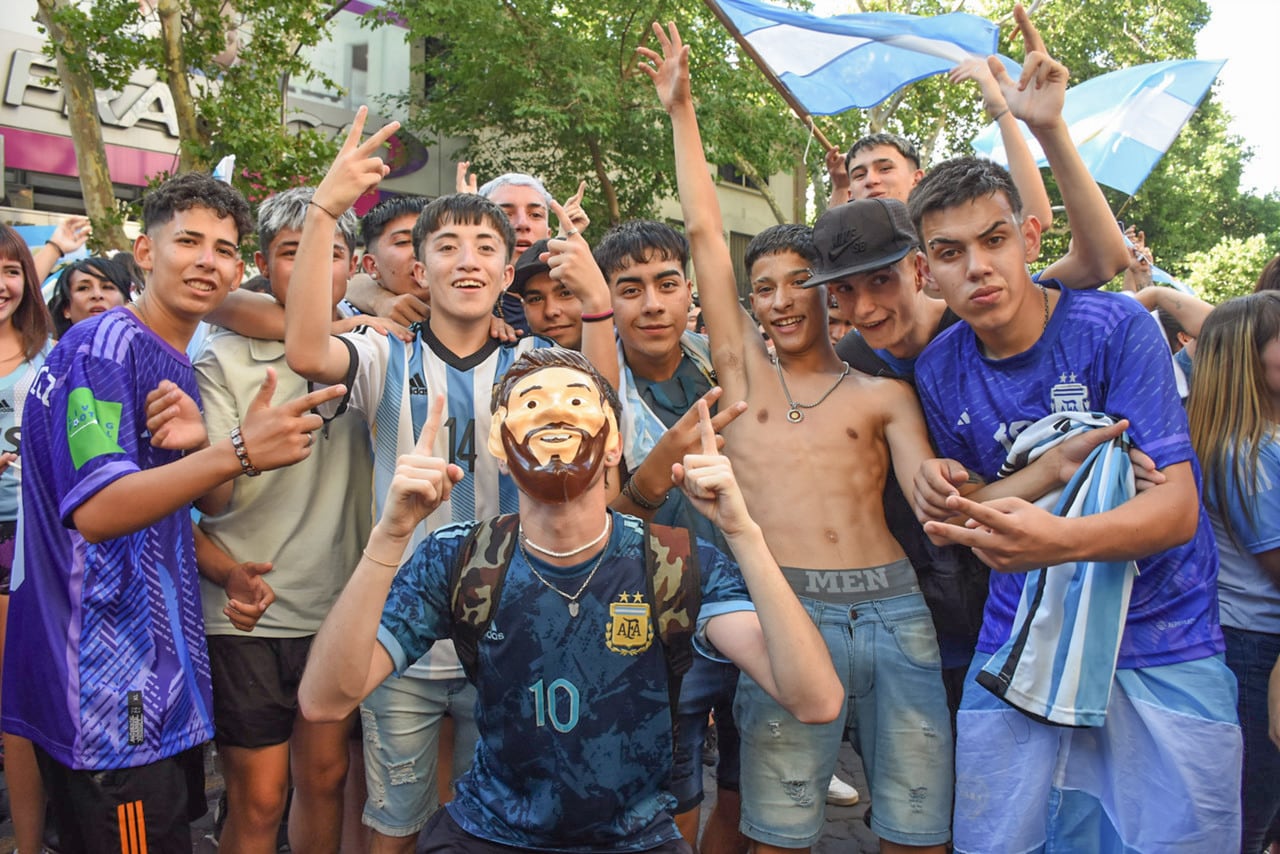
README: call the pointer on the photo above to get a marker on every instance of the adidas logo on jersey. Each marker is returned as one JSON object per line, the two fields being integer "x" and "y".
{"x": 494, "y": 634}
{"x": 5, "y": 408}
{"x": 417, "y": 385}
{"x": 964, "y": 419}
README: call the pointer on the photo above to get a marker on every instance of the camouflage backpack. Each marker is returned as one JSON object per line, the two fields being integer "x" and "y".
{"x": 671, "y": 573}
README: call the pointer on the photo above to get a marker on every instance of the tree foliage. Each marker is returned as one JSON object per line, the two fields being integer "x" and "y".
{"x": 1228, "y": 269}
{"x": 226, "y": 66}
{"x": 552, "y": 89}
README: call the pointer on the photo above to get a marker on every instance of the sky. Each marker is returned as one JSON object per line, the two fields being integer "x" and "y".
{"x": 1243, "y": 32}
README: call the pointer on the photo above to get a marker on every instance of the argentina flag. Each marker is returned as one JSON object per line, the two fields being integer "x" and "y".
{"x": 1122, "y": 122}
{"x": 835, "y": 64}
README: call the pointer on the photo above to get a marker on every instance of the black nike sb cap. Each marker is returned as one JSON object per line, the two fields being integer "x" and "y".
{"x": 859, "y": 236}
{"x": 528, "y": 265}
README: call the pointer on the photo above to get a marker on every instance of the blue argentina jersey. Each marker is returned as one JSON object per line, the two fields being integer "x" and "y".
{"x": 573, "y": 712}
{"x": 1099, "y": 352}
{"x": 393, "y": 386}
{"x": 106, "y": 665}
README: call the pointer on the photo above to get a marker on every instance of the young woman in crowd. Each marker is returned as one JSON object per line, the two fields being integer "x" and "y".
{"x": 25, "y": 330}
{"x": 1234, "y": 410}
{"x": 85, "y": 288}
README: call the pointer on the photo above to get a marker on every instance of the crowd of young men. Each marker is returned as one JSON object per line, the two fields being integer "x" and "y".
{"x": 559, "y": 504}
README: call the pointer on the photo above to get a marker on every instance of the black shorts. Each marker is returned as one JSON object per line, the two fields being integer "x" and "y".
{"x": 127, "y": 810}
{"x": 255, "y": 688}
{"x": 8, "y": 540}
{"x": 443, "y": 835}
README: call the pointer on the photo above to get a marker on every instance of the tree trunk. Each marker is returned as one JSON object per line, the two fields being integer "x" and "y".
{"x": 175, "y": 72}
{"x": 762, "y": 184}
{"x": 86, "y": 134}
{"x": 606, "y": 185}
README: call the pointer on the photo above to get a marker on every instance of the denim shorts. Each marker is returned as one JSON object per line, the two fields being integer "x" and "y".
{"x": 708, "y": 686}
{"x": 886, "y": 654}
{"x": 401, "y": 720}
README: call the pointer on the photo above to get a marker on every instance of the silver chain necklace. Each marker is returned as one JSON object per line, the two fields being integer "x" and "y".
{"x": 795, "y": 413}
{"x": 572, "y": 600}
{"x": 579, "y": 550}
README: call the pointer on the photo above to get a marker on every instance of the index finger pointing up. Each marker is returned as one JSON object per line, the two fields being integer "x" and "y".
{"x": 706, "y": 432}
{"x": 427, "y": 440}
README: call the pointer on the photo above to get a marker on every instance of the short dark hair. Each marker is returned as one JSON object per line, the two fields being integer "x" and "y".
{"x": 461, "y": 209}
{"x": 554, "y": 357}
{"x": 781, "y": 238}
{"x": 904, "y": 146}
{"x": 957, "y": 181}
{"x": 640, "y": 241}
{"x": 103, "y": 268}
{"x": 195, "y": 190}
{"x": 378, "y": 217}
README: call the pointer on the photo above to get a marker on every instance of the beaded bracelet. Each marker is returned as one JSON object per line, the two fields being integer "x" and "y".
{"x": 632, "y": 492}
{"x": 594, "y": 318}
{"x": 246, "y": 464}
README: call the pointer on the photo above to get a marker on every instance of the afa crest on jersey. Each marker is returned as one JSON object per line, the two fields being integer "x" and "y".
{"x": 630, "y": 629}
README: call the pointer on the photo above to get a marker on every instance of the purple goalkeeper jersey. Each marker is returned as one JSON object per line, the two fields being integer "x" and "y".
{"x": 105, "y": 664}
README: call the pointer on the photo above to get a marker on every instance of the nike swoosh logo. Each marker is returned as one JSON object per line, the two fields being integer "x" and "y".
{"x": 845, "y": 241}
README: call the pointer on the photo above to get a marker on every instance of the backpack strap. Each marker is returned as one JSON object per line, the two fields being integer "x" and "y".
{"x": 475, "y": 583}
{"x": 675, "y": 589}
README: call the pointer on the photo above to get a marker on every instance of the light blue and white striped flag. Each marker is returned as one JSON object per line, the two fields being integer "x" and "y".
{"x": 835, "y": 64}
{"x": 1123, "y": 122}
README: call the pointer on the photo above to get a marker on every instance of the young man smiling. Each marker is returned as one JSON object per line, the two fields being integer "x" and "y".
{"x": 812, "y": 421}
{"x": 565, "y": 690}
{"x": 107, "y": 671}
{"x": 464, "y": 244}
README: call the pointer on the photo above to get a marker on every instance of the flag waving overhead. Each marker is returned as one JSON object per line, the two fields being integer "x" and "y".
{"x": 830, "y": 65}
{"x": 1123, "y": 122}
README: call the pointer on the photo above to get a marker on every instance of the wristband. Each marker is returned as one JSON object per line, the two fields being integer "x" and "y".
{"x": 246, "y": 464}
{"x": 999, "y": 115}
{"x": 596, "y": 318}
{"x": 632, "y": 492}
{"x": 50, "y": 242}
{"x": 365, "y": 552}
{"x": 323, "y": 208}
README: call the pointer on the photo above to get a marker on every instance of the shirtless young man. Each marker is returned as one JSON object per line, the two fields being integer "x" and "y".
{"x": 811, "y": 421}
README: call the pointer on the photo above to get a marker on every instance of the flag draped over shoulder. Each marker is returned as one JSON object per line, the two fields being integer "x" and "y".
{"x": 1123, "y": 122}
{"x": 835, "y": 64}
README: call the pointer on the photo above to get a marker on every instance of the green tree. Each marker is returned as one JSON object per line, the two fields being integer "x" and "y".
{"x": 553, "y": 89}
{"x": 1228, "y": 269}
{"x": 226, "y": 66}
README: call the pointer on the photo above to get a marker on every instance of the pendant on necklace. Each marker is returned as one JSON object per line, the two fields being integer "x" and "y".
{"x": 795, "y": 416}
{"x": 573, "y": 609}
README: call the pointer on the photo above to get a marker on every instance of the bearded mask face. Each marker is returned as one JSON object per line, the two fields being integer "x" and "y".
{"x": 554, "y": 434}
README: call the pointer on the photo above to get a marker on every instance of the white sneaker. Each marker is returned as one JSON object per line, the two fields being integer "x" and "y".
{"x": 840, "y": 793}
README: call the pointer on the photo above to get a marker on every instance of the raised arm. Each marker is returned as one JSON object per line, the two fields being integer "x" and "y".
{"x": 841, "y": 186}
{"x": 1022, "y": 165}
{"x": 68, "y": 236}
{"x": 346, "y": 661}
{"x": 1098, "y": 252}
{"x": 571, "y": 264}
{"x": 717, "y": 291}
{"x": 309, "y": 348}
{"x": 778, "y": 646}
{"x": 1190, "y": 311}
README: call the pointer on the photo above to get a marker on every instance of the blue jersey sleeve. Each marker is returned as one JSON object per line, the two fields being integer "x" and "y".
{"x": 724, "y": 591}
{"x": 1142, "y": 388}
{"x": 93, "y": 427}
{"x": 416, "y": 614}
{"x": 1258, "y": 531}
